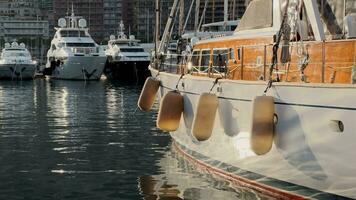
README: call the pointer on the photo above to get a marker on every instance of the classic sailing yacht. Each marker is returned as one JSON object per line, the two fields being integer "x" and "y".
{"x": 272, "y": 106}
{"x": 73, "y": 53}
{"x": 16, "y": 62}
{"x": 127, "y": 60}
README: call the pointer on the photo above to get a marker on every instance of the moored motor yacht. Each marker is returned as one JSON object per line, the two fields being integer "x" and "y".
{"x": 73, "y": 53}
{"x": 16, "y": 62}
{"x": 127, "y": 60}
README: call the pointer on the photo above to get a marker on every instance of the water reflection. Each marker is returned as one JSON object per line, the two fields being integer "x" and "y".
{"x": 178, "y": 179}
{"x": 70, "y": 140}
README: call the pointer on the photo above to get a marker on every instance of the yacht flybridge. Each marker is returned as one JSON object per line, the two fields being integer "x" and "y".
{"x": 127, "y": 60}
{"x": 16, "y": 62}
{"x": 73, "y": 53}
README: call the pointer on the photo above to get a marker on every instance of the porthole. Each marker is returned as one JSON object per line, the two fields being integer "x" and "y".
{"x": 337, "y": 126}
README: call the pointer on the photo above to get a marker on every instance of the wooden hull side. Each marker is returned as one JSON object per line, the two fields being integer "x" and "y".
{"x": 328, "y": 62}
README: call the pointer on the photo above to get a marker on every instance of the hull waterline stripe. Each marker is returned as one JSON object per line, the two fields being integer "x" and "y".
{"x": 278, "y": 103}
{"x": 269, "y": 186}
{"x": 240, "y": 181}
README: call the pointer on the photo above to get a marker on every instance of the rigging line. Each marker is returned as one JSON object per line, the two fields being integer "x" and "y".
{"x": 174, "y": 21}
{"x": 180, "y": 78}
{"x": 215, "y": 83}
{"x": 275, "y": 49}
{"x": 202, "y": 15}
{"x": 189, "y": 13}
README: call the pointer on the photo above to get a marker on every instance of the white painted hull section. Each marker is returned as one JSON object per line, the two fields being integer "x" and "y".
{"x": 74, "y": 68}
{"x": 18, "y": 71}
{"x": 308, "y": 150}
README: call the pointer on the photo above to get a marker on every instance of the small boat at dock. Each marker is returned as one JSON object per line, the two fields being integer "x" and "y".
{"x": 16, "y": 62}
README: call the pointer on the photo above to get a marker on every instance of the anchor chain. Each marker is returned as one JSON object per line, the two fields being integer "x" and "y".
{"x": 275, "y": 51}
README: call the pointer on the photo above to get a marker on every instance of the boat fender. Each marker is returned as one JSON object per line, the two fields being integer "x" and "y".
{"x": 204, "y": 119}
{"x": 262, "y": 133}
{"x": 170, "y": 111}
{"x": 148, "y": 94}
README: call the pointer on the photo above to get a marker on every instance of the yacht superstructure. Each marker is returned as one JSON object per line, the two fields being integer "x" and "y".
{"x": 127, "y": 60}
{"x": 16, "y": 62}
{"x": 73, "y": 53}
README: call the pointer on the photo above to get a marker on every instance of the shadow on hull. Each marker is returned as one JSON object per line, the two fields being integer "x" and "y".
{"x": 128, "y": 72}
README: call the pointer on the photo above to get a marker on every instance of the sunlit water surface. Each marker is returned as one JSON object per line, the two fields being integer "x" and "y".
{"x": 76, "y": 140}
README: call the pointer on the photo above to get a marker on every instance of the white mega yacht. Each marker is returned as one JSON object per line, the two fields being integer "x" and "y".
{"x": 127, "y": 60}
{"x": 16, "y": 62}
{"x": 73, "y": 53}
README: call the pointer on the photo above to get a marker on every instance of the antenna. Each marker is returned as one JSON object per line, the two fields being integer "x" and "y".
{"x": 72, "y": 18}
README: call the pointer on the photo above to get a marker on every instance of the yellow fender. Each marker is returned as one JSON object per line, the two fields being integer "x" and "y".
{"x": 148, "y": 94}
{"x": 170, "y": 111}
{"x": 262, "y": 133}
{"x": 204, "y": 119}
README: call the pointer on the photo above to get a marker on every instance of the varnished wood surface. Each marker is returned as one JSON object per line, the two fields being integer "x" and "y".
{"x": 329, "y": 62}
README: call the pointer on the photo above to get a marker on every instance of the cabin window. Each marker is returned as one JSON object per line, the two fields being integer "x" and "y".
{"x": 232, "y": 54}
{"x": 205, "y": 60}
{"x": 80, "y": 44}
{"x": 132, "y": 50}
{"x": 195, "y": 58}
{"x": 72, "y": 33}
{"x": 239, "y": 53}
{"x": 259, "y": 14}
{"x": 220, "y": 57}
{"x": 219, "y": 60}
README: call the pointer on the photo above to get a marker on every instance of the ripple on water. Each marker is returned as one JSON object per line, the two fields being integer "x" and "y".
{"x": 71, "y": 140}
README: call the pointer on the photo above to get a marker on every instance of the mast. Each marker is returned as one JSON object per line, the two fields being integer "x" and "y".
{"x": 213, "y": 11}
{"x": 197, "y": 10}
{"x": 72, "y": 20}
{"x": 181, "y": 17}
{"x": 226, "y": 6}
{"x": 233, "y": 10}
{"x": 188, "y": 16}
{"x": 157, "y": 31}
{"x": 168, "y": 26}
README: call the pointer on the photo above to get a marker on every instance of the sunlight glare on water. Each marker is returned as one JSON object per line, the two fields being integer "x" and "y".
{"x": 76, "y": 140}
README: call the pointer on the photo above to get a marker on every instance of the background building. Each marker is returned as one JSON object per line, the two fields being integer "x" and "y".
{"x": 104, "y": 16}
{"x": 19, "y": 9}
{"x": 112, "y": 16}
{"x": 20, "y": 21}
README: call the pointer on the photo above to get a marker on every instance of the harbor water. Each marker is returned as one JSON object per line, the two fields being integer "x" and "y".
{"x": 77, "y": 140}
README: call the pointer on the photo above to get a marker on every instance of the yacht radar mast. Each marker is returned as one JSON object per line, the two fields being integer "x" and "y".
{"x": 122, "y": 29}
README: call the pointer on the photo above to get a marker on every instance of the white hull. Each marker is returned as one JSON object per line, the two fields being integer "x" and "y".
{"x": 81, "y": 68}
{"x": 309, "y": 155}
{"x": 17, "y": 71}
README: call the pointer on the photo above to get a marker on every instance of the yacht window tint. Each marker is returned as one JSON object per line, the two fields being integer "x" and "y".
{"x": 232, "y": 54}
{"x": 82, "y": 34}
{"x": 205, "y": 58}
{"x": 16, "y": 54}
{"x": 72, "y": 33}
{"x": 15, "y": 50}
{"x": 196, "y": 58}
{"x": 220, "y": 57}
{"x": 258, "y": 15}
{"x": 80, "y": 45}
{"x": 131, "y": 50}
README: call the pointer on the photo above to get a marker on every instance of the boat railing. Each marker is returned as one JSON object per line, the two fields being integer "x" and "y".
{"x": 309, "y": 62}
